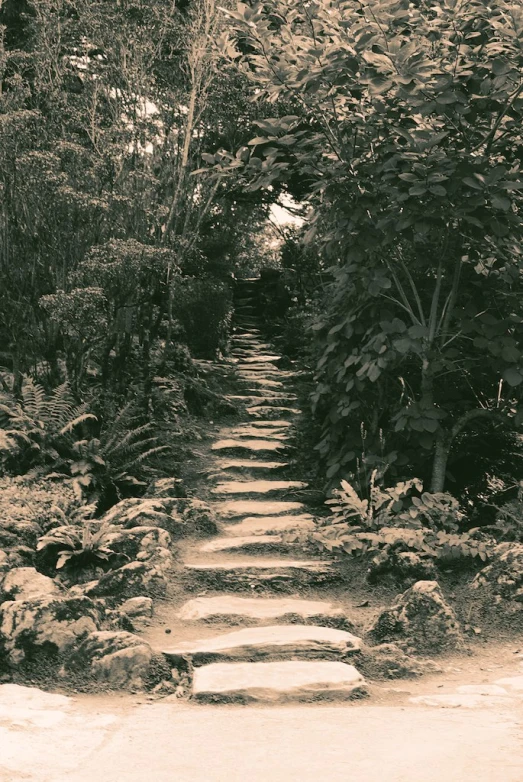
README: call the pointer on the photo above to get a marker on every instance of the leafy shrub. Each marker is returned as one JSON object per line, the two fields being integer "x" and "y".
{"x": 204, "y": 309}
{"x": 393, "y": 521}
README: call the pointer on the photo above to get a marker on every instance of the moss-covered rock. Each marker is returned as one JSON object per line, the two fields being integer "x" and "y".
{"x": 22, "y": 583}
{"x": 46, "y": 623}
{"x": 120, "y": 660}
{"x": 132, "y": 580}
{"x": 504, "y": 575}
{"x": 421, "y": 621}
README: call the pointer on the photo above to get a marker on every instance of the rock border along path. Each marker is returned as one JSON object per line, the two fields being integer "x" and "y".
{"x": 289, "y": 648}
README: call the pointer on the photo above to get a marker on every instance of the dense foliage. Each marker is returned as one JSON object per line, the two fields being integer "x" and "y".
{"x": 115, "y": 261}
{"x": 404, "y": 135}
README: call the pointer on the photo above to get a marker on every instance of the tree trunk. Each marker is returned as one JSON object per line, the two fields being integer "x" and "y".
{"x": 439, "y": 464}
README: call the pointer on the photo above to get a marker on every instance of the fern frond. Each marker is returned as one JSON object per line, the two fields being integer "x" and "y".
{"x": 70, "y": 425}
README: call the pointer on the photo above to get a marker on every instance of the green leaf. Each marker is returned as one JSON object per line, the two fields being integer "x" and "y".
{"x": 513, "y": 376}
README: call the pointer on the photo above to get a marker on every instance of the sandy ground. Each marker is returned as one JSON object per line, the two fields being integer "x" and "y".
{"x": 165, "y": 742}
{"x": 48, "y": 737}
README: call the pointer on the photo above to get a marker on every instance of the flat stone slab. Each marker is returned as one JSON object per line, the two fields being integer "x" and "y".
{"x": 511, "y": 682}
{"x": 269, "y": 424}
{"x": 236, "y": 508}
{"x": 267, "y": 525}
{"x": 241, "y": 366}
{"x": 273, "y": 412}
{"x": 461, "y": 701}
{"x": 248, "y": 445}
{"x": 263, "y": 381}
{"x": 257, "y": 487}
{"x": 270, "y": 642}
{"x": 250, "y": 543}
{"x": 264, "y": 358}
{"x": 229, "y": 608}
{"x": 262, "y": 432}
{"x": 277, "y": 682}
{"x": 253, "y": 400}
{"x": 250, "y": 464}
{"x": 250, "y": 572}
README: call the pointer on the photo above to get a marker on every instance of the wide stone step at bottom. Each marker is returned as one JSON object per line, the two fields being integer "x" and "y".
{"x": 261, "y": 610}
{"x": 266, "y": 525}
{"x": 277, "y": 682}
{"x": 269, "y": 642}
{"x": 256, "y": 572}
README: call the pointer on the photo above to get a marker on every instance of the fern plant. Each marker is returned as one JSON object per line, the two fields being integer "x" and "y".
{"x": 38, "y": 429}
{"x": 119, "y": 462}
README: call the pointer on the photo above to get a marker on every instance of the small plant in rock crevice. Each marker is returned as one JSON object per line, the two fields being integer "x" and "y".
{"x": 83, "y": 549}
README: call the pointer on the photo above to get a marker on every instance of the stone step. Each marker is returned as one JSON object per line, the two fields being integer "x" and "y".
{"x": 262, "y": 399}
{"x": 269, "y": 642}
{"x": 263, "y": 382}
{"x": 248, "y": 465}
{"x": 233, "y": 509}
{"x": 258, "y": 610}
{"x": 271, "y": 412}
{"x": 239, "y": 446}
{"x": 271, "y": 525}
{"x": 259, "y": 424}
{"x": 264, "y": 358}
{"x": 249, "y": 431}
{"x": 277, "y": 682}
{"x": 265, "y": 370}
{"x": 252, "y": 333}
{"x": 253, "y": 544}
{"x": 267, "y": 488}
{"x": 255, "y": 572}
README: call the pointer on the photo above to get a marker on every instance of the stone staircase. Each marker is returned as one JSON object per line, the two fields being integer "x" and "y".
{"x": 289, "y": 647}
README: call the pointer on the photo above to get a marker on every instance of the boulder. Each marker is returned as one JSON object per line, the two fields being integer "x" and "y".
{"x": 45, "y": 623}
{"x": 21, "y": 556}
{"x": 143, "y": 512}
{"x": 166, "y": 487}
{"x": 420, "y": 620}
{"x": 119, "y": 659}
{"x": 179, "y": 516}
{"x": 14, "y": 532}
{"x": 141, "y": 542}
{"x": 197, "y": 516}
{"x": 401, "y": 566}
{"x": 504, "y": 575}
{"x": 21, "y": 583}
{"x": 4, "y": 561}
{"x": 137, "y": 607}
{"x": 132, "y": 580}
